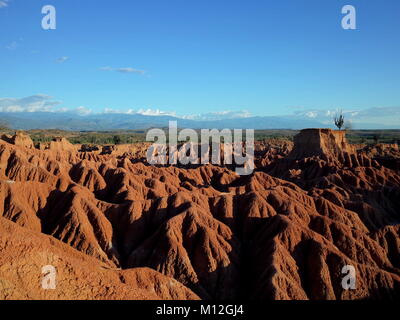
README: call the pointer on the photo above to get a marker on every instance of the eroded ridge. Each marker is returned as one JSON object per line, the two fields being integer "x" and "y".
{"x": 108, "y": 219}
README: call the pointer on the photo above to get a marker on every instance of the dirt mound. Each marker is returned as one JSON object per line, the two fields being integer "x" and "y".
{"x": 284, "y": 232}
{"x": 61, "y": 144}
{"x": 19, "y": 139}
{"x": 382, "y": 150}
{"x": 24, "y": 254}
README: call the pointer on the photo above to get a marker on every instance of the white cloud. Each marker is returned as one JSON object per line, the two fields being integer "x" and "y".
{"x": 220, "y": 115}
{"x": 379, "y": 115}
{"x": 109, "y": 110}
{"x": 124, "y": 70}
{"x": 130, "y": 70}
{"x": 311, "y": 114}
{"x": 323, "y": 114}
{"x": 368, "y": 117}
{"x": 155, "y": 112}
{"x": 145, "y": 112}
{"x": 12, "y": 46}
{"x": 107, "y": 69}
{"x": 33, "y": 103}
{"x": 62, "y": 59}
{"x": 38, "y": 103}
{"x": 3, "y": 4}
{"x": 45, "y": 103}
{"x": 82, "y": 110}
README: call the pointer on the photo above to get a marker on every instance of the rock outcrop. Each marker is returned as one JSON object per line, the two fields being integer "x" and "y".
{"x": 327, "y": 144}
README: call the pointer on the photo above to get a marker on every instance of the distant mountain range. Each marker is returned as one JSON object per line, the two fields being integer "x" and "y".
{"x": 120, "y": 121}
{"x": 73, "y": 121}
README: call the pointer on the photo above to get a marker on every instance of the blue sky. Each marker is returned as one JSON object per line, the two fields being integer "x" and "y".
{"x": 190, "y": 56}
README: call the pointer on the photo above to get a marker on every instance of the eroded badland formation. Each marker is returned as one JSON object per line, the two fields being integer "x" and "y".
{"x": 117, "y": 228}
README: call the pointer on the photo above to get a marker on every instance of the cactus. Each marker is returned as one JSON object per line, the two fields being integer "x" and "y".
{"x": 339, "y": 120}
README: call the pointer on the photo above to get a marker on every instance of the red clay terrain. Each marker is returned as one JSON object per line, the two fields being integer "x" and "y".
{"x": 115, "y": 227}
